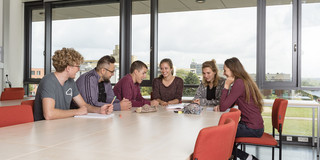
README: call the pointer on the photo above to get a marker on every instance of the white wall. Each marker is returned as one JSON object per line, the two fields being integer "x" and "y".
{"x": 13, "y": 42}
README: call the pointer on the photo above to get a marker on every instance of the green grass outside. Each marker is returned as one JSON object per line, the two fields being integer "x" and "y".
{"x": 293, "y": 125}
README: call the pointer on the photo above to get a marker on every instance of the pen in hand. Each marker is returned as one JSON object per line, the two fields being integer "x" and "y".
{"x": 114, "y": 98}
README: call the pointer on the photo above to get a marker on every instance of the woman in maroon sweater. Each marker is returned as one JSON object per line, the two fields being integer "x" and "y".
{"x": 240, "y": 89}
{"x": 167, "y": 89}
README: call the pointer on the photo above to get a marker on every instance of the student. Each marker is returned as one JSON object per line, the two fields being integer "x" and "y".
{"x": 167, "y": 89}
{"x": 245, "y": 93}
{"x": 209, "y": 90}
{"x": 129, "y": 86}
{"x": 95, "y": 86}
{"x": 56, "y": 90}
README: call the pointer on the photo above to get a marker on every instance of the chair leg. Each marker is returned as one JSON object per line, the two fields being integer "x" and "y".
{"x": 272, "y": 153}
{"x": 235, "y": 148}
{"x": 280, "y": 152}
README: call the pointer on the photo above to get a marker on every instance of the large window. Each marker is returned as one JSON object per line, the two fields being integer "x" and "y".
{"x": 37, "y": 41}
{"x": 298, "y": 121}
{"x": 279, "y": 42}
{"x": 192, "y": 33}
{"x": 141, "y": 32}
{"x": 93, "y": 30}
{"x": 310, "y": 73}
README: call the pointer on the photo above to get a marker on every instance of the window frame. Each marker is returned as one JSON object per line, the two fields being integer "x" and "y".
{"x": 126, "y": 35}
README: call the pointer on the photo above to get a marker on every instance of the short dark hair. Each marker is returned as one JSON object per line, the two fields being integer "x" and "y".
{"x": 137, "y": 65}
{"x": 105, "y": 60}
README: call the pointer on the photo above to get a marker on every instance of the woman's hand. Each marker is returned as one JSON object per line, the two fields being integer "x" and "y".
{"x": 216, "y": 108}
{"x": 196, "y": 101}
{"x": 228, "y": 82}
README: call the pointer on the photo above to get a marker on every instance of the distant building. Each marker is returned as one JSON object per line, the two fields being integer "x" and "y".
{"x": 116, "y": 53}
{"x": 196, "y": 67}
{"x": 37, "y": 72}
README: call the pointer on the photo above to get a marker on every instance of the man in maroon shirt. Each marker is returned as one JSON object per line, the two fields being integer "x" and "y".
{"x": 129, "y": 86}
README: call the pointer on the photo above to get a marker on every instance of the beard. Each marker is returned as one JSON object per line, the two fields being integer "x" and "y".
{"x": 106, "y": 79}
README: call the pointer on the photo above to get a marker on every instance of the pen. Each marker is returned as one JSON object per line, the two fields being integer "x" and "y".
{"x": 113, "y": 99}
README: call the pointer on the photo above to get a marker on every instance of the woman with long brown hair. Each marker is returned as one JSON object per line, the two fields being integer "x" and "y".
{"x": 240, "y": 89}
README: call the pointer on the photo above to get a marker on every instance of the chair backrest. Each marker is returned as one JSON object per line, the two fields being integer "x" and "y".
{"x": 234, "y": 114}
{"x": 28, "y": 102}
{"x": 14, "y": 89}
{"x": 12, "y": 115}
{"x": 215, "y": 142}
{"x": 12, "y": 95}
{"x": 279, "y": 112}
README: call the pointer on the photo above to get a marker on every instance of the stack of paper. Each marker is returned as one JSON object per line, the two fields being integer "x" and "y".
{"x": 95, "y": 115}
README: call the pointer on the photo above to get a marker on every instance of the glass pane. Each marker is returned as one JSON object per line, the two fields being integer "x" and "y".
{"x": 310, "y": 45}
{"x": 37, "y": 41}
{"x": 191, "y": 33}
{"x": 32, "y": 89}
{"x": 279, "y": 41}
{"x": 141, "y": 33}
{"x": 92, "y": 30}
{"x": 298, "y": 121}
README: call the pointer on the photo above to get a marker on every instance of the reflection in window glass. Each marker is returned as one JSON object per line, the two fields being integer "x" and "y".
{"x": 37, "y": 48}
{"x": 310, "y": 45}
{"x": 141, "y": 33}
{"x": 91, "y": 30}
{"x": 279, "y": 42}
{"x": 192, "y": 33}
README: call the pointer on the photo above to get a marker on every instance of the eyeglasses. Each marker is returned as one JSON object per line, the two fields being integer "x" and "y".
{"x": 76, "y": 66}
{"x": 109, "y": 70}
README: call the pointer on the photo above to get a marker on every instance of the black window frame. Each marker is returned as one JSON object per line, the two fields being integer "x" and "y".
{"x": 126, "y": 40}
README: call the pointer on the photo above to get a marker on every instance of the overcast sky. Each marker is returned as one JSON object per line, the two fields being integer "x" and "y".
{"x": 194, "y": 36}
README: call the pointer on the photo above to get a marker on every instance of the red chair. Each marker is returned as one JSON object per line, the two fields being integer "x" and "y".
{"x": 12, "y": 115}
{"x": 28, "y": 102}
{"x": 14, "y": 89}
{"x": 215, "y": 142}
{"x": 278, "y": 114}
{"x": 12, "y": 95}
{"x": 234, "y": 114}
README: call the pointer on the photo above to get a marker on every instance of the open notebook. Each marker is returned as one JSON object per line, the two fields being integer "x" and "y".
{"x": 95, "y": 115}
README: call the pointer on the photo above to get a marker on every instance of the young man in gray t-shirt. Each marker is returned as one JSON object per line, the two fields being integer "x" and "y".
{"x": 56, "y": 90}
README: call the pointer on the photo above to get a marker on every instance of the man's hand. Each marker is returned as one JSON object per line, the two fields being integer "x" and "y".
{"x": 125, "y": 104}
{"x": 106, "y": 109}
{"x": 82, "y": 111}
{"x": 154, "y": 103}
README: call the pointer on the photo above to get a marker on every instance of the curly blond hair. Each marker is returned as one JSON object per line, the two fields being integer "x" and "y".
{"x": 66, "y": 57}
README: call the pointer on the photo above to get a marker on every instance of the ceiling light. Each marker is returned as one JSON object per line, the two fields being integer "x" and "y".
{"x": 200, "y": 1}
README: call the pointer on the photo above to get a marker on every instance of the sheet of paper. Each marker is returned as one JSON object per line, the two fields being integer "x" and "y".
{"x": 176, "y": 106}
{"x": 95, "y": 115}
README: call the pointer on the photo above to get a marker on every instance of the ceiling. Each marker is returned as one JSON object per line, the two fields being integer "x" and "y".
{"x": 143, "y": 7}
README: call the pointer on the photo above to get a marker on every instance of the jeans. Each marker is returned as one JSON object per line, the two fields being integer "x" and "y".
{"x": 244, "y": 131}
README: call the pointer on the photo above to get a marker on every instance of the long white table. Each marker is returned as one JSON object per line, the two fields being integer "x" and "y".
{"x": 304, "y": 104}
{"x": 127, "y": 135}
{"x": 14, "y": 102}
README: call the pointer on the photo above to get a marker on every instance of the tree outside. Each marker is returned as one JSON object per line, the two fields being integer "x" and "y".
{"x": 191, "y": 78}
